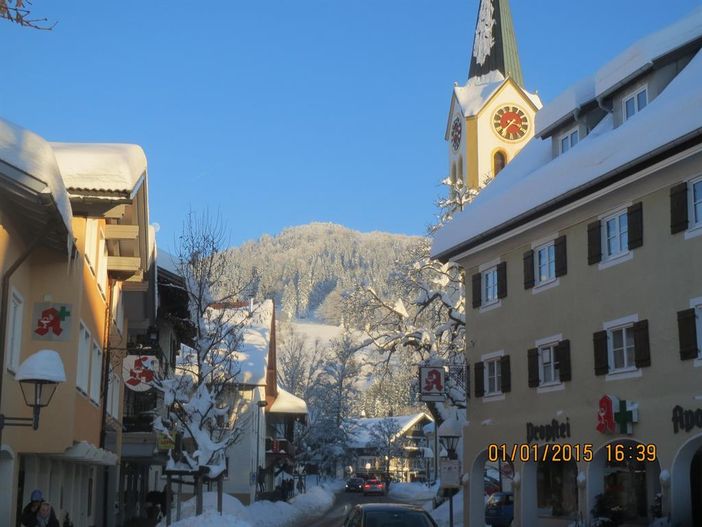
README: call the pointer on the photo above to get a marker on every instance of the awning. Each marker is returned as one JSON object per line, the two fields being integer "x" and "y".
{"x": 85, "y": 452}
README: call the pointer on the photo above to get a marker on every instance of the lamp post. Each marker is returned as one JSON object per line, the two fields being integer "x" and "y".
{"x": 450, "y": 432}
{"x": 38, "y": 377}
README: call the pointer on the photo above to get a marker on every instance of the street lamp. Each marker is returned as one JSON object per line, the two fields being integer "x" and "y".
{"x": 449, "y": 434}
{"x": 38, "y": 377}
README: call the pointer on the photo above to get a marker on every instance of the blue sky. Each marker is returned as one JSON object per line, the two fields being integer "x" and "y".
{"x": 281, "y": 112}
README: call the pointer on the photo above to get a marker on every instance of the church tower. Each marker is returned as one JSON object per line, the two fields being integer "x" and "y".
{"x": 492, "y": 115}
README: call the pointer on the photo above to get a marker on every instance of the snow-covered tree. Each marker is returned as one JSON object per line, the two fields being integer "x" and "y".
{"x": 426, "y": 319}
{"x": 201, "y": 402}
{"x": 299, "y": 361}
{"x": 387, "y": 441}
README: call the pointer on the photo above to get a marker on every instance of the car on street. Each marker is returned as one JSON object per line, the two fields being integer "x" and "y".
{"x": 373, "y": 486}
{"x": 388, "y": 515}
{"x": 499, "y": 509}
{"x": 355, "y": 485}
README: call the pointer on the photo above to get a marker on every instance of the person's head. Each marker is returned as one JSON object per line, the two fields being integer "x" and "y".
{"x": 44, "y": 510}
{"x": 36, "y": 498}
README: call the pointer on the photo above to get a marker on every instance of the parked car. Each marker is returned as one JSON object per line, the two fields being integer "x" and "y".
{"x": 499, "y": 509}
{"x": 373, "y": 486}
{"x": 355, "y": 485}
{"x": 388, "y": 515}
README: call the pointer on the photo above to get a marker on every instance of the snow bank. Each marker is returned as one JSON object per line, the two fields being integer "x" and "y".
{"x": 441, "y": 513}
{"x": 412, "y": 491}
{"x": 314, "y": 503}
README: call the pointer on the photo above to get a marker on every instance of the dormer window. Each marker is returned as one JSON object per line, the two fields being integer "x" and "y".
{"x": 635, "y": 102}
{"x": 569, "y": 140}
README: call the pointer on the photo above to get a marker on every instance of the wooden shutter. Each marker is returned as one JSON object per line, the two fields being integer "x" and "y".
{"x": 563, "y": 358}
{"x": 594, "y": 242}
{"x": 635, "y": 225}
{"x": 479, "y": 379}
{"x": 506, "y": 374}
{"x": 687, "y": 333}
{"x": 678, "y": 208}
{"x": 529, "y": 269}
{"x": 477, "y": 281}
{"x": 559, "y": 248}
{"x": 642, "y": 347}
{"x": 533, "y": 367}
{"x": 601, "y": 355}
{"x": 501, "y": 279}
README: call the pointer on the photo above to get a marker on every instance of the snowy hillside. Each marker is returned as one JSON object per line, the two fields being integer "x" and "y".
{"x": 306, "y": 268}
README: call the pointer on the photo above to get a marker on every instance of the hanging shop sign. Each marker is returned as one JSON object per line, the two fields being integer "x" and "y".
{"x": 549, "y": 432}
{"x": 52, "y": 322}
{"x": 450, "y": 473}
{"x": 138, "y": 371}
{"x": 432, "y": 383}
{"x": 164, "y": 442}
{"x": 616, "y": 415}
{"x": 686, "y": 420}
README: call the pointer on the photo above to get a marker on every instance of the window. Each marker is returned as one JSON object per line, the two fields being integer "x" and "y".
{"x": 95, "y": 373}
{"x": 83, "y": 359}
{"x": 696, "y": 203}
{"x": 91, "y": 241}
{"x": 490, "y": 286}
{"x": 498, "y": 161}
{"x": 635, "y": 103}
{"x": 493, "y": 376}
{"x": 569, "y": 140}
{"x": 621, "y": 348}
{"x": 615, "y": 235}
{"x": 545, "y": 263}
{"x": 548, "y": 365}
{"x": 14, "y": 326}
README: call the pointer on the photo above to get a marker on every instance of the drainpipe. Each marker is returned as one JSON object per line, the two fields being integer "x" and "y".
{"x": 105, "y": 384}
{"x": 600, "y": 103}
{"x": 4, "y": 301}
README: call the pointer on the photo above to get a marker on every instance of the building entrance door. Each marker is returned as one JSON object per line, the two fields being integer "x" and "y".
{"x": 696, "y": 487}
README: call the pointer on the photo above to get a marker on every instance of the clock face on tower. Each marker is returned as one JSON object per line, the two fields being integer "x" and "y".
{"x": 456, "y": 130}
{"x": 510, "y": 123}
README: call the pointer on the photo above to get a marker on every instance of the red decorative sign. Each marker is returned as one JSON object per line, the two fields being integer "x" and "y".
{"x": 432, "y": 382}
{"x": 52, "y": 322}
{"x": 605, "y": 415}
{"x": 138, "y": 371}
{"x": 616, "y": 415}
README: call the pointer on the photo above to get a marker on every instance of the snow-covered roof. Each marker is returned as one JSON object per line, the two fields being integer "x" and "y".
{"x": 44, "y": 365}
{"x": 532, "y": 179}
{"x": 111, "y": 168}
{"x": 252, "y": 353}
{"x": 85, "y": 452}
{"x": 287, "y": 403}
{"x": 360, "y": 433}
{"x": 167, "y": 261}
{"x": 631, "y": 62}
{"x": 33, "y": 155}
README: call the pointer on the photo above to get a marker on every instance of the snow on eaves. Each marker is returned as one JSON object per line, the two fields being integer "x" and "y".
{"x": 167, "y": 261}
{"x": 33, "y": 155}
{"x": 361, "y": 430}
{"x": 118, "y": 168}
{"x": 627, "y": 64}
{"x": 527, "y": 182}
{"x": 252, "y": 353}
{"x": 287, "y": 403}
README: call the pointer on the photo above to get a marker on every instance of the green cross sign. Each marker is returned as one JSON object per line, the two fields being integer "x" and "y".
{"x": 625, "y": 418}
{"x": 63, "y": 313}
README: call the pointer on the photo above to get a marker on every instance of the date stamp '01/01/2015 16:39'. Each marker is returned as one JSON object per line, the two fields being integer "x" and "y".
{"x": 613, "y": 452}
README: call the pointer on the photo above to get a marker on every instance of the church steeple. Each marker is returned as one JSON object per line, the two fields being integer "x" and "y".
{"x": 495, "y": 46}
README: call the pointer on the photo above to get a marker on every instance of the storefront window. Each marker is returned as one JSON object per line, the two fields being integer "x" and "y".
{"x": 557, "y": 489}
{"x": 625, "y": 488}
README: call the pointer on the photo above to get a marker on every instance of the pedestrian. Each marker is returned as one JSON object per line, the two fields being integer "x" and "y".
{"x": 46, "y": 517}
{"x": 32, "y": 509}
{"x": 261, "y": 479}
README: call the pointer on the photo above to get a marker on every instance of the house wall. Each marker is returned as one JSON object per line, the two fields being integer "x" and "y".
{"x": 659, "y": 279}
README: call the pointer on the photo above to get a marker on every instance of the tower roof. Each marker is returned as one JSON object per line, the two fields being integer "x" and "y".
{"x": 494, "y": 45}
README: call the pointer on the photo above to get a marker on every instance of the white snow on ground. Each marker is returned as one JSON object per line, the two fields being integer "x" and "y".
{"x": 412, "y": 491}
{"x": 314, "y": 503}
{"x": 441, "y": 513}
{"x": 315, "y": 330}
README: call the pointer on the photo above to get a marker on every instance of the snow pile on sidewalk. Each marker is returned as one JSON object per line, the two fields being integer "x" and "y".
{"x": 412, "y": 491}
{"x": 441, "y": 513}
{"x": 314, "y": 503}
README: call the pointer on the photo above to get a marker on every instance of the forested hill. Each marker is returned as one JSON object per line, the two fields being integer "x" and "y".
{"x": 306, "y": 268}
